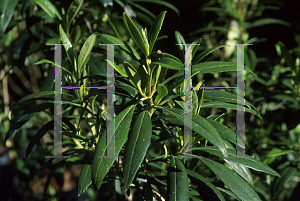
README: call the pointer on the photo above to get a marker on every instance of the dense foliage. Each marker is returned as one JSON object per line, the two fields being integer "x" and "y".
{"x": 149, "y": 104}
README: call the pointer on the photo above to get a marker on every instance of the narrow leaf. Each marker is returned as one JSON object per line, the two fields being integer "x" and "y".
{"x": 154, "y": 30}
{"x": 49, "y": 8}
{"x": 205, "y": 182}
{"x": 101, "y": 165}
{"x": 235, "y": 183}
{"x": 135, "y": 34}
{"x": 86, "y": 50}
{"x": 85, "y": 179}
{"x": 7, "y": 8}
{"x": 177, "y": 186}
{"x": 137, "y": 146}
{"x": 170, "y": 63}
{"x": 201, "y": 126}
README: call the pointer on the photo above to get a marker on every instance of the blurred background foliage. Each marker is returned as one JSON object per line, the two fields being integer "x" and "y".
{"x": 270, "y": 26}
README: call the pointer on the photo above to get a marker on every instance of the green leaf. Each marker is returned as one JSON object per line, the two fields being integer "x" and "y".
{"x": 164, "y": 3}
{"x": 133, "y": 76}
{"x": 170, "y": 63}
{"x": 161, "y": 93}
{"x": 48, "y": 126}
{"x": 287, "y": 56}
{"x": 286, "y": 175}
{"x": 86, "y": 50}
{"x": 49, "y": 8}
{"x": 278, "y": 152}
{"x": 85, "y": 179}
{"x": 154, "y": 30}
{"x": 235, "y": 183}
{"x": 64, "y": 38}
{"x": 219, "y": 104}
{"x": 266, "y": 21}
{"x": 178, "y": 186}
{"x": 204, "y": 181}
{"x": 226, "y": 133}
{"x": 242, "y": 171}
{"x": 229, "y": 193}
{"x": 51, "y": 62}
{"x": 72, "y": 12}
{"x": 248, "y": 162}
{"x": 34, "y": 95}
{"x": 135, "y": 34}
{"x": 7, "y": 8}
{"x": 126, "y": 47}
{"x": 195, "y": 101}
{"x": 137, "y": 146}
{"x": 180, "y": 44}
{"x": 26, "y": 116}
{"x": 101, "y": 165}
{"x": 201, "y": 126}
{"x": 217, "y": 66}
{"x": 206, "y": 52}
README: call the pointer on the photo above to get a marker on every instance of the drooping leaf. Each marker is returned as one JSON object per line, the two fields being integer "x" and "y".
{"x": 201, "y": 126}
{"x": 48, "y": 126}
{"x": 178, "y": 187}
{"x": 267, "y": 21}
{"x": 26, "y": 116}
{"x": 205, "y": 53}
{"x": 247, "y": 162}
{"x": 137, "y": 146}
{"x": 217, "y": 66}
{"x": 204, "y": 193}
{"x": 242, "y": 171}
{"x": 235, "y": 183}
{"x": 101, "y": 165}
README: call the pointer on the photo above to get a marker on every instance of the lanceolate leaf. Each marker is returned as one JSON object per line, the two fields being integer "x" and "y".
{"x": 266, "y": 21}
{"x": 48, "y": 7}
{"x": 26, "y": 116}
{"x": 217, "y": 66}
{"x": 125, "y": 46}
{"x": 286, "y": 175}
{"x": 154, "y": 30}
{"x": 6, "y": 9}
{"x": 243, "y": 171}
{"x": 235, "y": 183}
{"x": 135, "y": 34}
{"x": 86, "y": 50}
{"x": 85, "y": 178}
{"x": 205, "y": 53}
{"x": 48, "y": 126}
{"x": 178, "y": 187}
{"x": 201, "y": 126}
{"x": 137, "y": 146}
{"x": 170, "y": 63}
{"x": 195, "y": 175}
{"x": 226, "y": 133}
{"x": 248, "y": 162}
{"x": 101, "y": 165}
